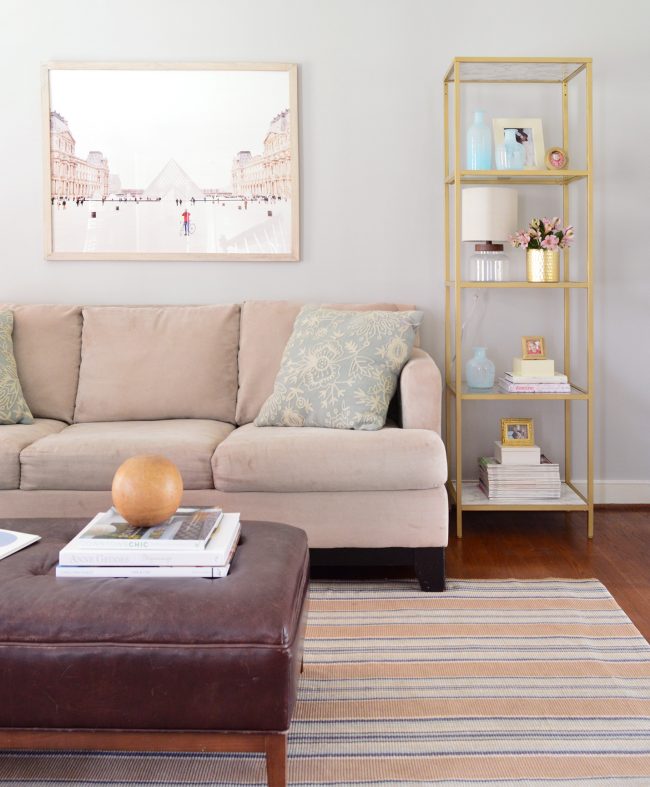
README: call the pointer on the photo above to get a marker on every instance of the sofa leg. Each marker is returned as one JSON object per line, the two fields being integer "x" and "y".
{"x": 429, "y": 563}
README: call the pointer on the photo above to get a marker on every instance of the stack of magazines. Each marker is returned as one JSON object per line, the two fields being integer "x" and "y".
{"x": 194, "y": 542}
{"x": 519, "y": 482}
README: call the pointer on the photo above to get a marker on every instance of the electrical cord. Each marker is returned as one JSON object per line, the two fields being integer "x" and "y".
{"x": 467, "y": 321}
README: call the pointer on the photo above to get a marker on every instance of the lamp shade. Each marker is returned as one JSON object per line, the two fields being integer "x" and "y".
{"x": 488, "y": 214}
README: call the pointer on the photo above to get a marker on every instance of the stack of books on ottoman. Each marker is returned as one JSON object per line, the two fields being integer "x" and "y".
{"x": 194, "y": 542}
{"x": 518, "y": 473}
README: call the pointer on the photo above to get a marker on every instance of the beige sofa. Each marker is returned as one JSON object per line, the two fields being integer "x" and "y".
{"x": 105, "y": 383}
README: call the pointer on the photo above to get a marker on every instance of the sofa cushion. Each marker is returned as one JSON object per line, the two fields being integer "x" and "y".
{"x": 340, "y": 368}
{"x": 265, "y": 330}
{"x": 86, "y": 456}
{"x": 311, "y": 459}
{"x": 13, "y": 407}
{"x": 155, "y": 363}
{"x": 12, "y": 441}
{"x": 47, "y": 347}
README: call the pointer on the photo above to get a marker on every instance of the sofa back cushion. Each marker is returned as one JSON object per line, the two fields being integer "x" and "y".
{"x": 265, "y": 330}
{"x": 47, "y": 349}
{"x": 158, "y": 362}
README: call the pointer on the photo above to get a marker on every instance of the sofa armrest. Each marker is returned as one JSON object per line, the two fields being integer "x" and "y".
{"x": 420, "y": 388}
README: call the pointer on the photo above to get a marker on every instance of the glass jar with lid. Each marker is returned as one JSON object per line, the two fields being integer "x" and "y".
{"x": 488, "y": 263}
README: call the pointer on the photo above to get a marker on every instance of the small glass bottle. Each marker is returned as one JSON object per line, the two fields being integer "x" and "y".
{"x": 479, "y": 370}
{"x": 488, "y": 263}
{"x": 479, "y": 143}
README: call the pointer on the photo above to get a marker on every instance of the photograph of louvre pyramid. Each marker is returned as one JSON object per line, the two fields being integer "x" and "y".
{"x": 189, "y": 162}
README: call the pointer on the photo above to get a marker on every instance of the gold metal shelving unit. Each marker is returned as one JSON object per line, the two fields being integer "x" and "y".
{"x": 514, "y": 70}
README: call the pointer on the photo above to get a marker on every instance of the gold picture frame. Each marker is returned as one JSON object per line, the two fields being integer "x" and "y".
{"x": 556, "y": 158}
{"x": 531, "y": 128}
{"x": 205, "y": 169}
{"x": 517, "y": 431}
{"x": 533, "y": 348}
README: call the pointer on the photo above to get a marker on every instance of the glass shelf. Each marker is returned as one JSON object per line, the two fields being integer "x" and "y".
{"x": 563, "y": 285}
{"x": 524, "y": 177}
{"x": 517, "y": 69}
{"x": 495, "y": 393}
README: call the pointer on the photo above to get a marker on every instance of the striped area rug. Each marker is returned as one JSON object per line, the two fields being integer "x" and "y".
{"x": 491, "y": 683}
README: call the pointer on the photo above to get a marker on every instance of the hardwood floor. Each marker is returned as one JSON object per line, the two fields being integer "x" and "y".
{"x": 528, "y": 545}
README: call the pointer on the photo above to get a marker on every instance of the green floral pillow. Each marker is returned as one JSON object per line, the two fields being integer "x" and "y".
{"x": 340, "y": 368}
{"x": 13, "y": 407}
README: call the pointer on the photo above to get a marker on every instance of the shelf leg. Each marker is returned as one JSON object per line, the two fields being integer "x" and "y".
{"x": 590, "y": 310}
{"x": 458, "y": 346}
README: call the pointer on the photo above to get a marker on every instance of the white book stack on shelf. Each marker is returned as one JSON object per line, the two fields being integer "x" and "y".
{"x": 534, "y": 376}
{"x": 519, "y": 481}
{"x": 192, "y": 543}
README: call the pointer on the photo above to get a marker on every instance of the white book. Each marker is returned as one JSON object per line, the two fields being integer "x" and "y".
{"x": 216, "y": 553}
{"x": 187, "y": 529}
{"x": 12, "y": 540}
{"x": 558, "y": 378}
{"x": 540, "y": 367}
{"x": 118, "y": 572}
{"x": 509, "y": 387}
{"x": 517, "y": 455}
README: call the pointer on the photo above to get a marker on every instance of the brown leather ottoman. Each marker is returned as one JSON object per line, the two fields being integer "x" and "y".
{"x": 153, "y": 664}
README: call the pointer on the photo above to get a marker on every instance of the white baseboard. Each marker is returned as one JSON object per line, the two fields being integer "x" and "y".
{"x": 622, "y": 492}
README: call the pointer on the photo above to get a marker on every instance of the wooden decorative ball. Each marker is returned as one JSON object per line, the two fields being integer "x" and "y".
{"x": 147, "y": 489}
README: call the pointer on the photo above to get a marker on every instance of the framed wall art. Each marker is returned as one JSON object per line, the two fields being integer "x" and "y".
{"x": 189, "y": 161}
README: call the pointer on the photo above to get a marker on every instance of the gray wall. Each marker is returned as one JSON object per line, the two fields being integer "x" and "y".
{"x": 371, "y": 150}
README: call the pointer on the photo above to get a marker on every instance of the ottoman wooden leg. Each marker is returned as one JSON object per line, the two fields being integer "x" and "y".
{"x": 276, "y": 759}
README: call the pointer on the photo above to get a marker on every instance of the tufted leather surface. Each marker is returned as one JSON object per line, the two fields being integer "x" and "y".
{"x": 153, "y": 654}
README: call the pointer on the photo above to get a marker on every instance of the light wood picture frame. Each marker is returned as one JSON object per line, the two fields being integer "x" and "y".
{"x": 533, "y": 348}
{"x": 532, "y": 138}
{"x": 517, "y": 431}
{"x": 171, "y": 161}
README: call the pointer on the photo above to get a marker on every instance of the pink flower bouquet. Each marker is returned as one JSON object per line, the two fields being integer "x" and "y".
{"x": 544, "y": 234}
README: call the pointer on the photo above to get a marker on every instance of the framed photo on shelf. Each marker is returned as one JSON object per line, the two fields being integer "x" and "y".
{"x": 171, "y": 161}
{"x": 533, "y": 348}
{"x": 517, "y": 431}
{"x": 556, "y": 158}
{"x": 528, "y": 132}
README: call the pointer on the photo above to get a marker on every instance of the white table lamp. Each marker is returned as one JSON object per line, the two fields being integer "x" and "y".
{"x": 489, "y": 215}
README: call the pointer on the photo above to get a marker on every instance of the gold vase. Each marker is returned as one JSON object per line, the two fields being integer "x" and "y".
{"x": 542, "y": 265}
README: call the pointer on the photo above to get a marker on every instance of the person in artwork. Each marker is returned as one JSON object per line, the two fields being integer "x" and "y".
{"x": 534, "y": 347}
{"x": 517, "y": 432}
{"x": 186, "y": 222}
{"x": 524, "y": 138}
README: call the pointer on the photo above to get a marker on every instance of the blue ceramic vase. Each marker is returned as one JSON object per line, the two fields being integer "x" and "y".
{"x": 479, "y": 370}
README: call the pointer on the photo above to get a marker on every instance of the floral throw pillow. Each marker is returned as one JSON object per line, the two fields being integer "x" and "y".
{"x": 13, "y": 407}
{"x": 340, "y": 368}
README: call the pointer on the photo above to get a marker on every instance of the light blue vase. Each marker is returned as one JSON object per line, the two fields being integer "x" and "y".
{"x": 479, "y": 370}
{"x": 479, "y": 143}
